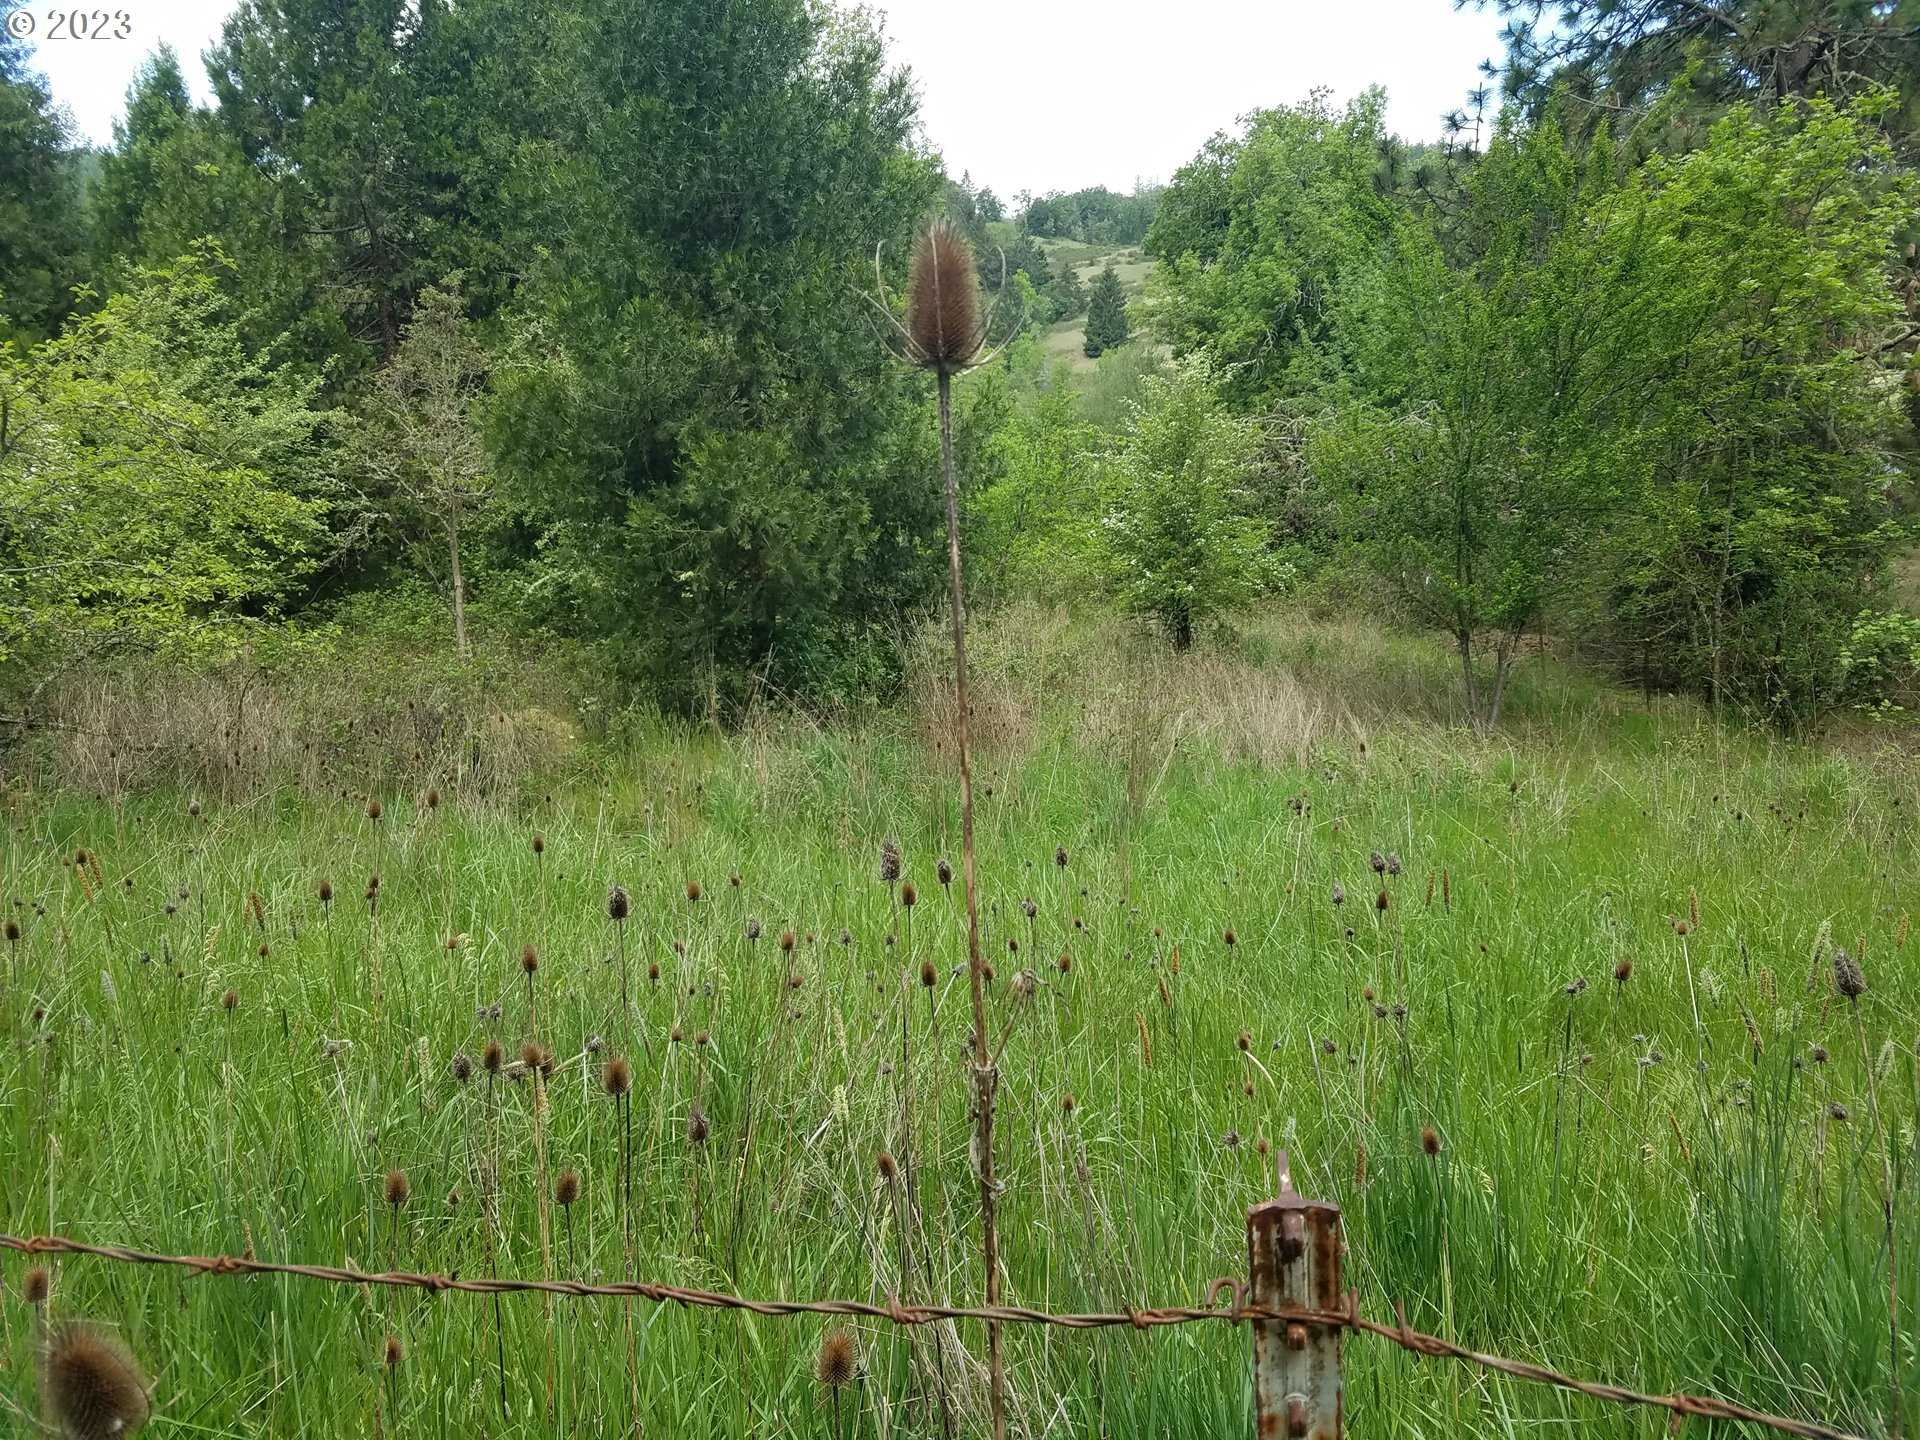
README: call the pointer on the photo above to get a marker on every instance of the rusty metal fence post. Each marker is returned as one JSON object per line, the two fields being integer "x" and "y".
{"x": 1293, "y": 1261}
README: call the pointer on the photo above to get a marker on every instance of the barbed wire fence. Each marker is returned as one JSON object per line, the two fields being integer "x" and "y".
{"x": 1293, "y": 1245}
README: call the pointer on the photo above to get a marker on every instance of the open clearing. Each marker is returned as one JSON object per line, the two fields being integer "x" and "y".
{"x": 1232, "y": 903}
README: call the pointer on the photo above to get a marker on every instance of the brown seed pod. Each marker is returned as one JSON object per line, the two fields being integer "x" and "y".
{"x": 374, "y": 809}
{"x": 394, "y": 1352}
{"x": 398, "y": 1188}
{"x": 616, "y": 1077}
{"x": 566, "y": 1188}
{"x": 1848, "y": 978}
{"x": 619, "y": 904}
{"x": 943, "y": 322}
{"x": 529, "y": 959}
{"x": 492, "y": 1057}
{"x": 90, "y": 1384}
{"x": 35, "y": 1285}
{"x": 1430, "y": 1140}
{"x": 839, "y": 1359}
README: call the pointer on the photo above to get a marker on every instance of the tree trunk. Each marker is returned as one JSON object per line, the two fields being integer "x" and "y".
{"x": 1183, "y": 630}
{"x": 459, "y": 593}
{"x": 1463, "y": 641}
{"x": 1502, "y": 667}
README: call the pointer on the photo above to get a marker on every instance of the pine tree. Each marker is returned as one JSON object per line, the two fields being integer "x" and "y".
{"x": 40, "y": 200}
{"x": 1106, "y": 314}
{"x": 1069, "y": 295}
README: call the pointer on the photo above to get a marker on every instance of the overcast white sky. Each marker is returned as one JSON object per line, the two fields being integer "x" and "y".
{"x": 1026, "y": 94}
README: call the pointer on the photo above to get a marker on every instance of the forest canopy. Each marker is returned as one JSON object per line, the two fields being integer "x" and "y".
{"x": 472, "y": 300}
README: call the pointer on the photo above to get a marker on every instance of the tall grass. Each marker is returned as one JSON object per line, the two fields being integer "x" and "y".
{"x": 1613, "y": 1190}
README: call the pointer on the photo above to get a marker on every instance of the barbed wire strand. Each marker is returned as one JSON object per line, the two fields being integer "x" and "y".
{"x": 898, "y": 1312}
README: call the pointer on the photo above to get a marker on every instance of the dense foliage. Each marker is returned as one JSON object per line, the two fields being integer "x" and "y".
{"x": 566, "y": 312}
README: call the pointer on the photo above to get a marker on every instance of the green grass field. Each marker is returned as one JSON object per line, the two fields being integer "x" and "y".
{"x": 1068, "y": 340}
{"x": 1673, "y": 1180}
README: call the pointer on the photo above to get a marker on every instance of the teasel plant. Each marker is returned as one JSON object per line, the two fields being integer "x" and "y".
{"x": 943, "y": 333}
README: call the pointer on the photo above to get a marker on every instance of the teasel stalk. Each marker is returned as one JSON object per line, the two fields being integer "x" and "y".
{"x": 943, "y": 333}
{"x": 1849, "y": 980}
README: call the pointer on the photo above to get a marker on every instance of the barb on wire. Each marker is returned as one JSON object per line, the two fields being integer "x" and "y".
{"x": 896, "y": 1312}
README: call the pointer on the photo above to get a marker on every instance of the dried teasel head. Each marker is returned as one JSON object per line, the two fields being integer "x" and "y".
{"x": 616, "y": 1077}
{"x": 374, "y": 809}
{"x": 1430, "y": 1141}
{"x": 394, "y": 1351}
{"x": 909, "y": 896}
{"x": 492, "y": 1057}
{"x": 943, "y": 326}
{"x": 889, "y": 861}
{"x": 943, "y": 872}
{"x": 36, "y": 1284}
{"x": 566, "y": 1188}
{"x": 529, "y": 959}
{"x": 1848, "y": 978}
{"x": 90, "y": 1384}
{"x": 619, "y": 904}
{"x": 839, "y": 1359}
{"x": 398, "y": 1188}
{"x": 697, "y": 1127}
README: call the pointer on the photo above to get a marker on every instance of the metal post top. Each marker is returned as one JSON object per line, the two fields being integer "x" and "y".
{"x": 1288, "y": 1200}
